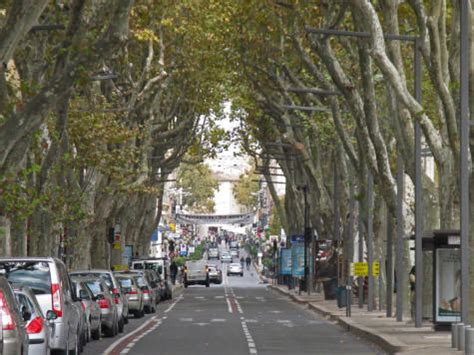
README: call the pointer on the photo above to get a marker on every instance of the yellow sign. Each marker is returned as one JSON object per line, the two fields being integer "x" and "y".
{"x": 120, "y": 267}
{"x": 172, "y": 227}
{"x": 362, "y": 269}
{"x": 118, "y": 245}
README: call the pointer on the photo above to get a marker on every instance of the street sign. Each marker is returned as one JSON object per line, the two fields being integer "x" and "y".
{"x": 285, "y": 268}
{"x": 183, "y": 250}
{"x": 362, "y": 269}
{"x": 297, "y": 259}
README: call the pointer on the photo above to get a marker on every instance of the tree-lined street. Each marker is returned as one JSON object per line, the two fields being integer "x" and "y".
{"x": 240, "y": 316}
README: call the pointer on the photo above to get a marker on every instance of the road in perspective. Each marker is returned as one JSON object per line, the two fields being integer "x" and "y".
{"x": 240, "y": 316}
{"x": 236, "y": 177}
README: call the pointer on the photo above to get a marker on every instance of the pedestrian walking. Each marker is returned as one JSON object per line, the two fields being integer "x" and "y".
{"x": 173, "y": 272}
{"x": 248, "y": 261}
{"x": 412, "y": 279}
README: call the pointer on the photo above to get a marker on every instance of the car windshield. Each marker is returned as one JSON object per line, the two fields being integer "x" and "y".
{"x": 34, "y": 274}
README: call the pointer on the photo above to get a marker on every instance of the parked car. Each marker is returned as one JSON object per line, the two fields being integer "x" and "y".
{"x": 196, "y": 272}
{"x": 92, "y": 314}
{"x": 49, "y": 281}
{"x": 106, "y": 302}
{"x": 152, "y": 288}
{"x": 226, "y": 257}
{"x": 13, "y": 330}
{"x": 119, "y": 298}
{"x": 235, "y": 269}
{"x": 215, "y": 274}
{"x": 38, "y": 326}
{"x": 161, "y": 267}
{"x": 149, "y": 297}
{"x": 133, "y": 293}
{"x": 234, "y": 253}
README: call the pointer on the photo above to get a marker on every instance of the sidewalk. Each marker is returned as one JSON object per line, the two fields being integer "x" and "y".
{"x": 390, "y": 335}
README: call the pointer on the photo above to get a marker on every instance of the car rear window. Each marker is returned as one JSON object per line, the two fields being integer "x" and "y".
{"x": 95, "y": 287}
{"x": 104, "y": 276}
{"x": 127, "y": 283}
{"x": 140, "y": 281}
{"x": 34, "y": 274}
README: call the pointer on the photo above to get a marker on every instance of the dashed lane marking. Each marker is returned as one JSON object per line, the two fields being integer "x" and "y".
{"x": 248, "y": 336}
{"x": 218, "y": 320}
{"x": 186, "y": 319}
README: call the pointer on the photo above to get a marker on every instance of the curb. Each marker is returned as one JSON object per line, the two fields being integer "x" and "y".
{"x": 387, "y": 343}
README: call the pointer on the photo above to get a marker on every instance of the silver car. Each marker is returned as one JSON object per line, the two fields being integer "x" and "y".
{"x": 119, "y": 298}
{"x": 13, "y": 332}
{"x": 133, "y": 293}
{"x": 106, "y": 302}
{"x": 49, "y": 281}
{"x": 38, "y": 326}
{"x": 92, "y": 312}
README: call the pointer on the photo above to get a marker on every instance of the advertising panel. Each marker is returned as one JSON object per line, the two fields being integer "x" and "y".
{"x": 448, "y": 281}
{"x": 285, "y": 268}
{"x": 297, "y": 259}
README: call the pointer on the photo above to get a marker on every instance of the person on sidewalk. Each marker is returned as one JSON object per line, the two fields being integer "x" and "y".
{"x": 173, "y": 271}
{"x": 248, "y": 261}
{"x": 412, "y": 279}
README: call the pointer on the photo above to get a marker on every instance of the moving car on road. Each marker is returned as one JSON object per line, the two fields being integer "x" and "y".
{"x": 196, "y": 273}
{"x": 215, "y": 274}
{"x": 213, "y": 253}
{"x": 235, "y": 269}
{"x": 49, "y": 281}
{"x": 226, "y": 257}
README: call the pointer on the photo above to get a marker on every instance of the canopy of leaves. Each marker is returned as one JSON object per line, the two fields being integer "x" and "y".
{"x": 246, "y": 189}
{"x": 199, "y": 186}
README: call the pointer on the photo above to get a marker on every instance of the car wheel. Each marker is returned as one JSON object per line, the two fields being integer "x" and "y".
{"x": 95, "y": 334}
{"x": 120, "y": 325}
{"x": 242, "y": 274}
{"x": 147, "y": 309}
{"x": 125, "y": 319}
{"x": 185, "y": 285}
{"x": 110, "y": 332}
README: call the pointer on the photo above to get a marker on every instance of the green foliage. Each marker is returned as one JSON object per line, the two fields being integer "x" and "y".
{"x": 275, "y": 222}
{"x": 199, "y": 186}
{"x": 245, "y": 190}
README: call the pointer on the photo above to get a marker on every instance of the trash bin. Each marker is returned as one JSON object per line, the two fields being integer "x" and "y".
{"x": 330, "y": 287}
{"x": 341, "y": 296}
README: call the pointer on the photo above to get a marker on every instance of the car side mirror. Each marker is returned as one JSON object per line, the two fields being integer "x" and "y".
{"x": 51, "y": 315}
{"x": 25, "y": 314}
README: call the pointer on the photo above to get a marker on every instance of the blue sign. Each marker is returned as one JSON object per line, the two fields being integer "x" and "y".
{"x": 285, "y": 259}
{"x": 297, "y": 259}
{"x": 296, "y": 238}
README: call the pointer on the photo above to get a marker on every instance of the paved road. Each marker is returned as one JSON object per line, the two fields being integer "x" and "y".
{"x": 241, "y": 316}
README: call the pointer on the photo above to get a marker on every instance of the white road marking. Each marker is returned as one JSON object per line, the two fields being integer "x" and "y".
{"x": 174, "y": 304}
{"x": 199, "y": 297}
{"x": 218, "y": 297}
{"x": 201, "y": 324}
{"x": 229, "y": 307}
{"x": 136, "y": 331}
{"x": 275, "y": 312}
{"x": 283, "y": 321}
{"x": 251, "y": 321}
{"x": 250, "y": 341}
{"x": 216, "y": 320}
{"x": 186, "y": 319}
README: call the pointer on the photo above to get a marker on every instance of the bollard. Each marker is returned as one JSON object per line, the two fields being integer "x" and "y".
{"x": 454, "y": 335}
{"x": 462, "y": 336}
{"x": 458, "y": 330}
{"x": 469, "y": 345}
